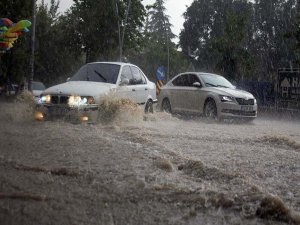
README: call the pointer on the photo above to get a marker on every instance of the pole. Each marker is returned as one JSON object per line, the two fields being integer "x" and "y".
{"x": 168, "y": 49}
{"x": 32, "y": 45}
{"x": 167, "y": 42}
{"x": 119, "y": 32}
{"x": 124, "y": 28}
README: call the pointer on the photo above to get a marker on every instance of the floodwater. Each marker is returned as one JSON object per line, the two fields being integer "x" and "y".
{"x": 153, "y": 169}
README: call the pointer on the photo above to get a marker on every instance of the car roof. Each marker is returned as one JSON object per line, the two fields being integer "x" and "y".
{"x": 116, "y": 63}
{"x": 197, "y": 73}
{"x": 200, "y": 73}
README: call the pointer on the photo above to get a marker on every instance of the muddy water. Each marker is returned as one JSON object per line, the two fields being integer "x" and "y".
{"x": 157, "y": 169}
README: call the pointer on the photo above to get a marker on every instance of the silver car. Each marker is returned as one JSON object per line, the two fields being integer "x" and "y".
{"x": 208, "y": 94}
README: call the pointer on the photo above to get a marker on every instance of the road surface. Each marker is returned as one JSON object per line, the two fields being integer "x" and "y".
{"x": 157, "y": 169}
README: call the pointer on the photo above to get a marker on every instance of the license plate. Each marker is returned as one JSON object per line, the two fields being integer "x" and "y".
{"x": 58, "y": 111}
{"x": 246, "y": 108}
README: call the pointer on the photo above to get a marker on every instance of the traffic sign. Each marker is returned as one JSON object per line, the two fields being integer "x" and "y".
{"x": 160, "y": 73}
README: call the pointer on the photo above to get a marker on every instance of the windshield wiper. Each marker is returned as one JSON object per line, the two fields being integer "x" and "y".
{"x": 222, "y": 86}
{"x": 213, "y": 85}
{"x": 100, "y": 75}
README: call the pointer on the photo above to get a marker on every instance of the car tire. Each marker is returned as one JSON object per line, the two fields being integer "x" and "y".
{"x": 166, "y": 106}
{"x": 210, "y": 110}
{"x": 149, "y": 107}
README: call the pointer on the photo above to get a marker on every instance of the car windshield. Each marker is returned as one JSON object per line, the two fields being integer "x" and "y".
{"x": 38, "y": 86}
{"x": 97, "y": 72}
{"x": 212, "y": 80}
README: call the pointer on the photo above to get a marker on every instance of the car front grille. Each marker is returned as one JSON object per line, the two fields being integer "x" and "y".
{"x": 240, "y": 113}
{"x": 243, "y": 101}
{"x": 59, "y": 99}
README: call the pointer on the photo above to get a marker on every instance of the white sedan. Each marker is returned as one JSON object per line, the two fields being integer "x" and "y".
{"x": 208, "y": 94}
{"x": 83, "y": 91}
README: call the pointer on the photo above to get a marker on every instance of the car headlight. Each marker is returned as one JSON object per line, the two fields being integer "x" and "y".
{"x": 78, "y": 100}
{"x": 225, "y": 98}
{"x": 74, "y": 100}
{"x": 45, "y": 99}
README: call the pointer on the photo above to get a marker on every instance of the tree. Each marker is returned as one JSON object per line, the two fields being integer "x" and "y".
{"x": 54, "y": 57}
{"x": 95, "y": 26}
{"x": 296, "y": 34}
{"x": 272, "y": 21}
{"x": 159, "y": 25}
{"x": 159, "y": 50}
{"x": 204, "y": 20}
{"x": 243, "y": 39}
{"x": 234, "y": 61}
{"x": 214, "y": 36}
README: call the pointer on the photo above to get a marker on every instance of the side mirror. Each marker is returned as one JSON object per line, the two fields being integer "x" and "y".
{"x": 197, "y": 84}
{"x": 124, "y": 81}
{"x": 68, "y": 79}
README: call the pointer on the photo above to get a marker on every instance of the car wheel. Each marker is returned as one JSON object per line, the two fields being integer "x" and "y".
{"x": 166, "y": 106}
{"x": 210, "y": 110}
{"x": 149, "y": 106}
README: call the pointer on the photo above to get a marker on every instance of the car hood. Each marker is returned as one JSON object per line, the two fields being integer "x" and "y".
{"x": 231, "y": 92}
{"x": 81, "y": 88}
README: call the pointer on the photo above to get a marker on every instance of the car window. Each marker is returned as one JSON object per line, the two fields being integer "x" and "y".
{"x": 126, "y": 74}
{"x": 182, "y": 80}
{"x": 98, "y": 72}
{"x": 191, "y": 79}
{"x": 178, "y": 81}
{"x": 137, "y": 76}
{"x": 213, "y": 80}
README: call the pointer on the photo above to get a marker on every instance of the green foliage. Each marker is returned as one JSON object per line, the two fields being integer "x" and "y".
{"x": 293, "y": 36}
{"x": 53, "y": 55}
{"x": 239, "y": 38}
{"x": 159, "y": 25}
{"x": 244, "y": 40}
{"x": 15, "y": 10}
{"x": 158, "y": 48}
{"x": 215, "y": 35}
{"x": 272, "y": 21}
{"x": 96, "y": 22}
{"x": 234, "y": 60}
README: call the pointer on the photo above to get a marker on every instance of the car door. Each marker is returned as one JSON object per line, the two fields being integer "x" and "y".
{"x": 193, "y": 93}
{"x": 126, "y": 87}
{"x": 177, "y": 93}
{"x": 140, "y": 89}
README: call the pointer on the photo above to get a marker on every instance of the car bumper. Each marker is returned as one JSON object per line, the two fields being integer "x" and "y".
{"x": 230, "y": 110}
{"x": 50, "y": 111}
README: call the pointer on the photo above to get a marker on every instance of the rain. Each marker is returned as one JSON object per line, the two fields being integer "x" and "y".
{"x": 123, "y": 164}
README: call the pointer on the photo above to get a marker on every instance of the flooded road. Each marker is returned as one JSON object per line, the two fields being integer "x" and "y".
{"x": 153, "y": 170}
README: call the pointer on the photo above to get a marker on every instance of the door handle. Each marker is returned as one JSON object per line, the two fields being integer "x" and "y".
{"x": 146, "y": 89}
{"x": 133, "y": 89}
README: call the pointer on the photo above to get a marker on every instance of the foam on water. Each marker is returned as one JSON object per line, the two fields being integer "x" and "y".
{"x": 20, "y": 110}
